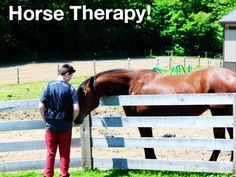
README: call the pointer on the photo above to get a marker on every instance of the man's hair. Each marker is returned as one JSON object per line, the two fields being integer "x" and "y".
{"x": 66, "y": 68}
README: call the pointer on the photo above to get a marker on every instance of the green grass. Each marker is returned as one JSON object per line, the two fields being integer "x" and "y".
{"x": 31, "y": 90}
{"x": 117, "y": 173}
{"x": 21, "y": 91}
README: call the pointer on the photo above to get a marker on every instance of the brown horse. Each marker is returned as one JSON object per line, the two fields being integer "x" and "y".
{"x": 137, "y": 82}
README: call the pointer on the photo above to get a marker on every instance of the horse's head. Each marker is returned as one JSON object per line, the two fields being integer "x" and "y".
{"x": 88, "y": 99}
{"x": 106, "y": 83}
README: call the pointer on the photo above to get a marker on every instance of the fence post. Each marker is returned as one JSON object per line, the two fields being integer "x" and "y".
{"x": 184, "y": 62}
{"x": 234, "y": 134}
{"x": 86, "y": 143}
{"x": 199, "y": 61}
{"x": 18, "y": 75}
{"x": 157, "y": 61}
{"x": 128, "y": 63}
{"x": 208, "y": 63}
{"x": 94, "y": 67}
{"x": 170, "y": 62}
{"x": 205, "y": 54}
{"x": 221, "y": 62}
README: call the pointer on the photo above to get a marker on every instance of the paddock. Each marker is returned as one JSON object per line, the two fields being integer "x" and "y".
{"x": 48, "y": 71}
{"x": 89, "y": 143}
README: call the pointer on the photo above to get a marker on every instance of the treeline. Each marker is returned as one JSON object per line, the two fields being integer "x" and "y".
{"x": 187, "y": 27}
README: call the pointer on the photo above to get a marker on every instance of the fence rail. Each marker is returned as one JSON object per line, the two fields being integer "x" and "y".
{"x": 166, "y": 165}
{"x": 87, "y": 142}
{"x": 168, "y": 99}
{"x": 164, "y": 122}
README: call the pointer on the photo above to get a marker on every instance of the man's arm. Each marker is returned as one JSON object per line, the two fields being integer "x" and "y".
{"x": 42, "y": 110}
{"x": 42, "y": 102}
{"x": 75, "y": 99}
{"x": 76, "y": 111}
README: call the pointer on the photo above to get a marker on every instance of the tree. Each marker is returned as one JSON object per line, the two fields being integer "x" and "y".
{"x": 189, "y": 27}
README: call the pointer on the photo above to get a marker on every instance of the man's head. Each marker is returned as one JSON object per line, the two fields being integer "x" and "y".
{"x": 66, "y": 71}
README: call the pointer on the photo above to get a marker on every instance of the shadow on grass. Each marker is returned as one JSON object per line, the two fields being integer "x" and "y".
{"x": 117, "y": 172}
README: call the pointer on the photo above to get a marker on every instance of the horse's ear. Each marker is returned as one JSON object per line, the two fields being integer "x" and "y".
{"x": 91, "y": 83}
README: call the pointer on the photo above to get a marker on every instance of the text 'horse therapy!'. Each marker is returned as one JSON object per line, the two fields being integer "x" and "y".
{"x": 80, "y": 13}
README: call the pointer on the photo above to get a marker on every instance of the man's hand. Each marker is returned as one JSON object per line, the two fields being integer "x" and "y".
{"x": 76, "y": 111}
{"x": 42, "y": 110}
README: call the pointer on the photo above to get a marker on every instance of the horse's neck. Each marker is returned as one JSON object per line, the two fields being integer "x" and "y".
{"x": 113, "y": 84}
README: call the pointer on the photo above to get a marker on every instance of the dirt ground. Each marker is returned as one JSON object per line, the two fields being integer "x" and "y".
{"x": 161, "y": 153}
{"x": 32, "y": 72}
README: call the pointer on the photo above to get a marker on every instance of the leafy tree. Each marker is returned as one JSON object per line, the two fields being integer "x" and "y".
{"x": 188, "y": 27}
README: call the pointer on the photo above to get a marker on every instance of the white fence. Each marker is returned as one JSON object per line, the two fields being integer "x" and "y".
{"x": 87, "y": 142}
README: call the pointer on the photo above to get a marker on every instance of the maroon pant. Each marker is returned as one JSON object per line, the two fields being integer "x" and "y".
{"x": 63, "y": 139}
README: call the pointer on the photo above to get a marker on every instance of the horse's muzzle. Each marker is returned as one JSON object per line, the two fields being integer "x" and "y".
{"x": 79, "y": 120}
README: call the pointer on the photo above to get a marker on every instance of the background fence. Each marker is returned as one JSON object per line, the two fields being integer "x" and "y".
{"x": 48, "y": 71}
{"x": 87, "y": 142}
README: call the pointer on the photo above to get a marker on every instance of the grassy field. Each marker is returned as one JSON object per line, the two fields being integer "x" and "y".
{"x": 30, "y": 90}
{"x": 117, "y": 173}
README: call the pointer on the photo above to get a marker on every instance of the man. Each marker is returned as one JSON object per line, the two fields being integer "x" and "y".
{"x": 59, "y": 107}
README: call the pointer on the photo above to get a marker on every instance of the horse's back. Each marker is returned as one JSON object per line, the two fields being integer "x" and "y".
{"x": 210, "y": 80}
{"x": 152, "y": 83}
{"x": 221, "y": 80}
{"x": 217, "y": 80}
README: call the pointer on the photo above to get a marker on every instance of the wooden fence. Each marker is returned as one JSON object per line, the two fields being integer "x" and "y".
{"x": 87, "y": 141}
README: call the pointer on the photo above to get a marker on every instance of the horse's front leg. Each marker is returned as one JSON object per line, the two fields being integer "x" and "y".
{"x": 144, "y": 132}
{"x": 218, "y": 133}
{"x": 149, "y": 152}
{"x": 230, "y": 131}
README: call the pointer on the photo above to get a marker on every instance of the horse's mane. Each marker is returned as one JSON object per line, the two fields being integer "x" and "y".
{"x": 113, "y": 71}
{"x": 120, "y": 71}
